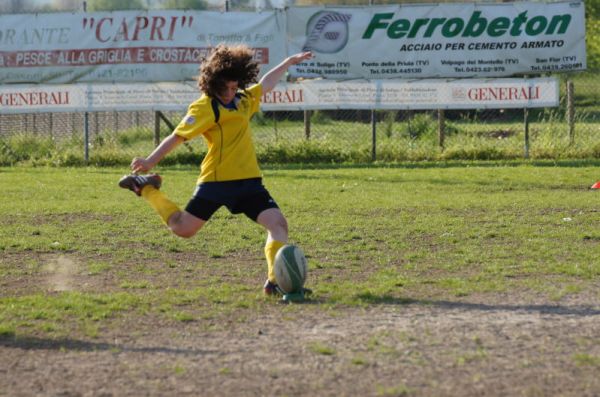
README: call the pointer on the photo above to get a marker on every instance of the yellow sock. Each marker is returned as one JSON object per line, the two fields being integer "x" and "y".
{"x": 159, "y": 201}
{"x": 271, "y": 249}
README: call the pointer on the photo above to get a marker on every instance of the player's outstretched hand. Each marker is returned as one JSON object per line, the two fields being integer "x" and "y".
{"x": 300, "y": 57}
{"x": 139, "y": 164}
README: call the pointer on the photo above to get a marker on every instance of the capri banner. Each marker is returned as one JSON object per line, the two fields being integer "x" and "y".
{"x": 439, "y": 40}
{"x": 129, "y": 46}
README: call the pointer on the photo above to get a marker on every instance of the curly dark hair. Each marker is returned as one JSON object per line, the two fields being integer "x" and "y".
{"x": 227, "y": 63}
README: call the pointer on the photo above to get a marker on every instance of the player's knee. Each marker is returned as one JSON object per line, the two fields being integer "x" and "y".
{"x": 182, "y": 230}
{"x": 280, "y": 225}
{"x": 185, "y": 233}
{"x": 284, "y": 224}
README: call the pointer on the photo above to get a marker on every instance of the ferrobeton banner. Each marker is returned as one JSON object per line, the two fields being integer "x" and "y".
{"x": 379, "y": 42}
{"x": 439, "y": 40}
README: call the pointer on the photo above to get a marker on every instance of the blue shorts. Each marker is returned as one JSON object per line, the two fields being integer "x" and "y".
{"x": 247, "y": 196}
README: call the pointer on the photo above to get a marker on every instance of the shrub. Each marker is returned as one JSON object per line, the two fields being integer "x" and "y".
{"x": 132, "y": 136}
{"x": 304, "y": 152}
{"x": 25, "y": 146}
{"x": 388, "y": 123}
{"x": 419, "y": 125}
{"x": 320, "y": 117}
{"x": 477, "y": 153}
{"x": 260, "y": 119}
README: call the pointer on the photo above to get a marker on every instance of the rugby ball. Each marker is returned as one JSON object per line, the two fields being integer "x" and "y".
{"x": 290, "y": 268}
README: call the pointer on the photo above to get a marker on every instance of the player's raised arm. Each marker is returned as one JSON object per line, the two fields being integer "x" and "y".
{"x": 270, "y": 79}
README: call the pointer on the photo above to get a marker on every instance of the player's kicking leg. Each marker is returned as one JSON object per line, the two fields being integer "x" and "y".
{"x": 181, "y": 223}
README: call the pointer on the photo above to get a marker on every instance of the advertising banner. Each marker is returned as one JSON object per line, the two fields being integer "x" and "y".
{"x": 377, "y": 42}
{"x": 437, "y": 41}
{"x": 129, "y": 46}
{"x": 422, "y": 94}
{"x": 304, "y": 95}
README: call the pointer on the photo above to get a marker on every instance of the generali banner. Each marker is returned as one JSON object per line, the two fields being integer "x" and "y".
{"x": 303, "y": 95}
{"x": 421, "y": 94}
{"x": 126, "y": 46}
{"x": 439, "y": 40}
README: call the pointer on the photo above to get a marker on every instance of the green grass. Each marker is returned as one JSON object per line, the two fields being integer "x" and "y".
{"x": 584, "y": 359}
{"x": 397, "y": 391}
{"x": 77, "y": 254}
{"x": 319, "y": 348}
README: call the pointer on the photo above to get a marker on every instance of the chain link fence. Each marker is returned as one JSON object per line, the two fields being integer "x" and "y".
{"x": 571, "y": 130}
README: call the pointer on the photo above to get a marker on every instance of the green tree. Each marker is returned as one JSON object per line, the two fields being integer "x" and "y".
{"x": 114, "y": 5}
{"x": 67, "y": 5}
{"x": 16, "y": 6}
{"x": 185, "y": 4}
{"x": 592, "y": 33}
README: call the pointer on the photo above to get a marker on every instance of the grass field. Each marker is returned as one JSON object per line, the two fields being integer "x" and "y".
{"x": 85, "y": 265}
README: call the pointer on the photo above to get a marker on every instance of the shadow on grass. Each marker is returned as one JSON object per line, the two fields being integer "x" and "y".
{"x": 67, "y": 344}
{"x": 583, "y": 311}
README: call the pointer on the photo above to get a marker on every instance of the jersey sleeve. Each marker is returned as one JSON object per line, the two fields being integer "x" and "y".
{"x": 198, "y": 119}
{"x": 255, "y": 94}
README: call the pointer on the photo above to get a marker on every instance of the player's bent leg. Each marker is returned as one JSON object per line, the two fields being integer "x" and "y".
{"x": 160, "y": 202}
{"x": 148, "y": 187}
{"x": 184, "y": 224}
{"x": 181, "y": 223}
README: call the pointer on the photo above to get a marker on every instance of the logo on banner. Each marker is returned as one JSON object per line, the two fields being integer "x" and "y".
{"x": 459, "y": 93}
{"x": 327, "y": 32}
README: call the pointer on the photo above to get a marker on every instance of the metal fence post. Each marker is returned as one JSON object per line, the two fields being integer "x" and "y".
{"x": 441, "y": 128}
{"x": 307, "y": 124}
{"x": 51, "y": 125}
{"x": 571, "y": 110}
{"x": 156, "y": 128}
{"x": 373, "y": 136}
{"x": 86, "y": 137}
{"x": 526, "y": 122}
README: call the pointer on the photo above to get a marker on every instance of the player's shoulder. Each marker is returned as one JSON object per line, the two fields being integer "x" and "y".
{"x": 254, "y": 90}
{"x": 202, "y": 104}
{"x": 203, "y": 100}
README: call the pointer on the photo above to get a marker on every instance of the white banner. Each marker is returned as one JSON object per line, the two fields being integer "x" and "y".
{"x": 379, "y": 42}
{"x": 422, "y": 94}
{"x": 309, "y": 94}
{"x": 128, "y": 46}
{"x": 443, "y": 40}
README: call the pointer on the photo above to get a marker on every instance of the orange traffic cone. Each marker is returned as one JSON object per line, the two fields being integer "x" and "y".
{"x": 596, "y": 185}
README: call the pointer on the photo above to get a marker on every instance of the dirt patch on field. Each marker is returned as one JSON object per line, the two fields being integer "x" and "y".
{"x": 495, "y": 346}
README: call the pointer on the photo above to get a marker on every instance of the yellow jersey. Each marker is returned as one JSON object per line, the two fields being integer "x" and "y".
{"x": 231, "y": 154}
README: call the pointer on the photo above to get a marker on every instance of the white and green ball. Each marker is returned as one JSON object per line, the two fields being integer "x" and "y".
{"x": 290, "y": 268}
